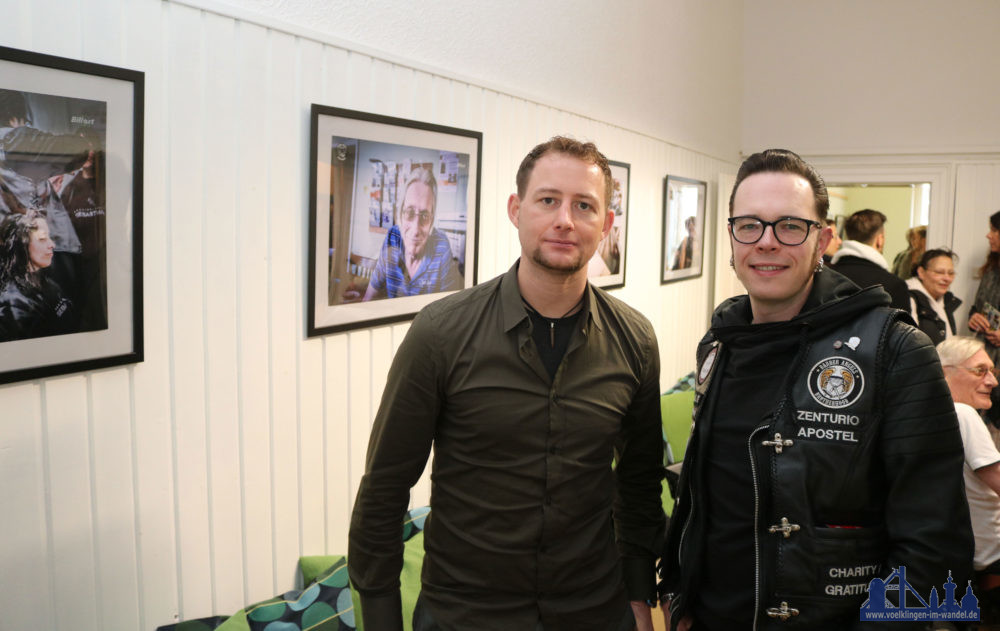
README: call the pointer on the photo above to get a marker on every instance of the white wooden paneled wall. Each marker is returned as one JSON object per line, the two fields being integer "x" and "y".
{"x": 977, "y": 196}
{"x": 189, "y": 485}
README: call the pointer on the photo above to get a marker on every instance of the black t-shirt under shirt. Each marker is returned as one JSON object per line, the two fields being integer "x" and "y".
{"x": 551, "y": 338}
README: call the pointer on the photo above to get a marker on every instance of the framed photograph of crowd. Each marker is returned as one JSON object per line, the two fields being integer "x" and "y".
{"x": 70, "y": 215}
{"x": 607, "y": 267}
{"x": 393, "y": 217}
{"x": 683, "y": 228}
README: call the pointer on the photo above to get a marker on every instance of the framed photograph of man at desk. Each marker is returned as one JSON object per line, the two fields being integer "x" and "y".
{"x": 607, "y": 267}
{"x": 683, "y": 228}
{"x": 393, "y": 217}
{"x": 71, "y": 152}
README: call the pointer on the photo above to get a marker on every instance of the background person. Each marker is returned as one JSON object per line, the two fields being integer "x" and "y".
{"x": 686, "y": 250}
{"x": 905, "y": 262}
{"x": 860, "y": 257}
{"x": 931, "y": 304}
{"x": 835, "y": 242}
{"x": 971, "y": 378}
{"x": 416, "y": 257}
{"x": 31, "y": 304}
{"x": 986, "y": 307}
{"x": 527, "y": 387}
{"x": 824, "y": 450}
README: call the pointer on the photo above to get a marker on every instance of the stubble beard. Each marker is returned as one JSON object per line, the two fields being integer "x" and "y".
{"x": 566, "y": 269}
{"x": 415, "y": 251}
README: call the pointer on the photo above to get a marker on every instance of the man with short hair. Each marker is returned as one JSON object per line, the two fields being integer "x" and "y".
{"x": 825, "y": 450}
{"x": 529, "y": 387}
{"x": 416, "y": 257}
{"x": 835, "y": 241}
{"x": 860, "y": 257}
{"x": 971, "y": 378}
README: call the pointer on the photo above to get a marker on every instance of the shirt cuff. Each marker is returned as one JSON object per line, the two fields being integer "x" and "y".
{"x": 382, "y": 613}
{"x": 640, "y": 578}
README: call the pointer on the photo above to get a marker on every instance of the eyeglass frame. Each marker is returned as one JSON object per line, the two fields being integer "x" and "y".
{"x": 995, "y": 371}
{"x": 810, "y": 223}
{"x": 417, "y": 215}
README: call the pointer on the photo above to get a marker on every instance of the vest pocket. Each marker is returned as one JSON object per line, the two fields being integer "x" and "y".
{"x": 830, "y": 562}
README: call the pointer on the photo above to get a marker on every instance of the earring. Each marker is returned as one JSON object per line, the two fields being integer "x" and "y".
{"x": 819, "y": 266}
{"x": 731, "y": 263}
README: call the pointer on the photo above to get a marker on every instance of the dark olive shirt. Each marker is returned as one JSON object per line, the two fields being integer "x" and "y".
{"x": 525, "y": 504}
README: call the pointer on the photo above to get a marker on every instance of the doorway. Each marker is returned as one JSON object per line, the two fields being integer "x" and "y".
{"x": 904, "y": 205}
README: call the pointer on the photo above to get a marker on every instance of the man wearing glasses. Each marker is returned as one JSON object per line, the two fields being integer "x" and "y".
{"x": 971, "y": 378}
{"x": 825, "y": 450}
{"x": 416, "y": 257}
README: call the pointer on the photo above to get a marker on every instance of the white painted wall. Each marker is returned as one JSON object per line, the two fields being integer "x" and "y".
{"x": 893, "y": 91}
{"x": 855, "y": 76}
{"x": 669, "y": 69}
{"x": 189, "y": 484}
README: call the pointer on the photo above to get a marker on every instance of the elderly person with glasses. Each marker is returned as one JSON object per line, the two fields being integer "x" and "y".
{"x": 416, "y": 257}
{"x": 971, "y": 378}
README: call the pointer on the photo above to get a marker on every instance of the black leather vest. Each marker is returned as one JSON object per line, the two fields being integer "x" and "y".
{"x": 820, "y": 493}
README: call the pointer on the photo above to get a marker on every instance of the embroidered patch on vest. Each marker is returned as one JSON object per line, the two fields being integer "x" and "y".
{"x": 706, "y": 366}
{"x": 836, "y": 382}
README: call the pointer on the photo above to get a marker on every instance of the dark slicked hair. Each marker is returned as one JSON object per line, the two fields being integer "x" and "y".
{"x": 784, "y": 161}
{"x": 864, "y": 225}
{"x": 586, "y": 151}
{"x": 930, "y": 255}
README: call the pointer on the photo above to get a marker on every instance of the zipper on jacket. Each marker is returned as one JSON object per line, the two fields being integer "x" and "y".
{"x": 687, "y": 522}
{"x": 756, "y": 522}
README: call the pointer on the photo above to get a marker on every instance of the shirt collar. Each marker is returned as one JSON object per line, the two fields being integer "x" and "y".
{"x": 514, "y": 311}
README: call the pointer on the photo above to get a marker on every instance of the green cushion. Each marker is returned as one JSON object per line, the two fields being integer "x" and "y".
{"x": 675, "y": 412}
{"x": 676, "y": 409}
{"x": 313, "y": 566}
{"x": 413, "y": 560}
{"x": 409, "y": 578}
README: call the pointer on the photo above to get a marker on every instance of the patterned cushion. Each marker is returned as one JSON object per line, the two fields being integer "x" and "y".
{"x": 327, "y": 603}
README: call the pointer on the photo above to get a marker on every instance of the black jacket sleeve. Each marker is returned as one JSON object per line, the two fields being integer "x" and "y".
{"x": 926, "y": 513}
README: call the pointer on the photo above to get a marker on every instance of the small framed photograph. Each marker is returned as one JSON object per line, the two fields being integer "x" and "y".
{"x": 393, "y": 217}
{"x": 607, "y": 267}
{"x": 70, "y": 215}
{"x": 683, "y": 228}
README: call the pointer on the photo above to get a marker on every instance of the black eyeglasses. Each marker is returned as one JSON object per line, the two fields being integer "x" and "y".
{"x": 787, "y": 230}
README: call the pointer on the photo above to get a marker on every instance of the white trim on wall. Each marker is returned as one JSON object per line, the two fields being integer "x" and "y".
{"x": 842, "y": 171}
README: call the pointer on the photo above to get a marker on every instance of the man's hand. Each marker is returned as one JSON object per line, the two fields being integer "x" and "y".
{"x": 978, "y": 322}
{"x": 993, "y": 337}
{"x": 643, "y": 616}
{"x": 683, "y": 625}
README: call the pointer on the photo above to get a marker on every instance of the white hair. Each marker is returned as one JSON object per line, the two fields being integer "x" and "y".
{"x": 954, "y": 351}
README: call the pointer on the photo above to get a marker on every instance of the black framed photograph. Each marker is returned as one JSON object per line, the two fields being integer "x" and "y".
{"x": 607, "y": 267}
{"x": 70, "y": 215}
{"x": 683, "y": 228}
{"x": 393, "y": 217}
